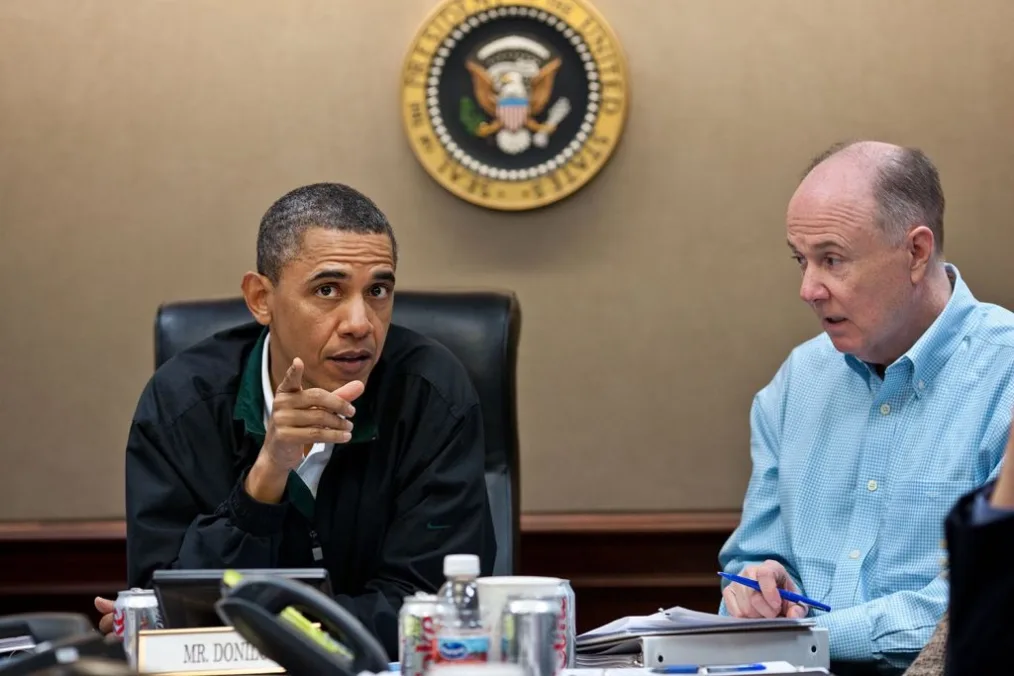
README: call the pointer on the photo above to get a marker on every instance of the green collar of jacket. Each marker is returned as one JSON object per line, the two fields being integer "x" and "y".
{"x": 250, "y": 401}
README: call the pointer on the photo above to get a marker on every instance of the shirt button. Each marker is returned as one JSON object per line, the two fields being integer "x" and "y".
{"x": 885, "y": 409}
{"x": 871, "y": 485}
{"x": 921, "y": 385}
{"x": 854, "y": 554}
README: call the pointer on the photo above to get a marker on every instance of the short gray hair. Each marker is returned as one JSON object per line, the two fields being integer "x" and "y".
{"x": 907, "y": 191}
{"x": 334, "y": 206}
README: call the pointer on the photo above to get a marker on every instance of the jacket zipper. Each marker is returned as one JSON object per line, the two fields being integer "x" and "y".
{"x": 318, "y": 550}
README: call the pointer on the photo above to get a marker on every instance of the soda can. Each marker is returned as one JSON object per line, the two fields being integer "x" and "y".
{"x": 134, "y": 611}
{"x": 568, "y": 624}
{"x": 531, "y": 634}
{"x": 417, "y": 631}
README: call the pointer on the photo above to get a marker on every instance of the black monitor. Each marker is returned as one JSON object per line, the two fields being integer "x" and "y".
{"x": 186, "y": 598}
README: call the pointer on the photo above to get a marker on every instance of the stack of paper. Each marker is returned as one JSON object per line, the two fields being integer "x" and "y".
{"x": 618, "y": 644}
{"x": 608, "y": 661}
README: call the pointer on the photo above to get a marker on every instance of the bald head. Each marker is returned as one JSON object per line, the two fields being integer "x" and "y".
{"x": 900, "y": 184}
{"x": 865, "y": 227}
{"x": 866, "y": 153}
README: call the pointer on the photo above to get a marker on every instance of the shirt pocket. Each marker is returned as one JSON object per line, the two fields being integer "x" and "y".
{"x": 912, "y": 548}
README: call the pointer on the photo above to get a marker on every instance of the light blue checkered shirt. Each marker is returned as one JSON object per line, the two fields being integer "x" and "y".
{"x": 853, "y": 475}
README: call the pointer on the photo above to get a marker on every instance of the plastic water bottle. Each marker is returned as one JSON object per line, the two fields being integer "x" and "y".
{"x": 461, "y": 637}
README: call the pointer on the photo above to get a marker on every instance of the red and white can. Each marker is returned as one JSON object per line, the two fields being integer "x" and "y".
{"x": 568, "y": 625}
{"x": 417, "y": 630}
{"x": 135, "y": 610}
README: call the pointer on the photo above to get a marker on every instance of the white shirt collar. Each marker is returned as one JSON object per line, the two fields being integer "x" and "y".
{"x": 269, "y": 394}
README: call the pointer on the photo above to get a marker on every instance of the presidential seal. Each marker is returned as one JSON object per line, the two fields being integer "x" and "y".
{"x": 514, "y": 105}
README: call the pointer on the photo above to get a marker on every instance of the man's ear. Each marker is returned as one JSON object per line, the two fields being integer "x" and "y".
{"x": 920, "y": 242}
{"x": 257, "y": 291}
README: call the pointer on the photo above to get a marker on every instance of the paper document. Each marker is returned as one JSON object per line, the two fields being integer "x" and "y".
{"x": 616, "y": 636}
{"x": 769, "y": 669}
{"x": 779, "y": 667}
{"x": 608, "y": 660}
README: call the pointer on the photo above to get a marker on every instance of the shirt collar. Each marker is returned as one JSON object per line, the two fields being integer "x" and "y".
{"x": 253, "y": 404}
{"x": 268, "y": 393}
{"x": 935, "y": 346}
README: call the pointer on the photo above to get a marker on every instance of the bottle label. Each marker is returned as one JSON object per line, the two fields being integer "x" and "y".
{"x": 462, "y": 649}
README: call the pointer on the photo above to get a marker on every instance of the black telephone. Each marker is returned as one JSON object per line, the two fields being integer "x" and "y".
{"x": 275, "y": 615}
{"x": 60, "y": 643}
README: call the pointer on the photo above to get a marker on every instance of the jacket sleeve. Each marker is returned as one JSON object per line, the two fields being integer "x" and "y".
{"x": 761, "y": 532}
{"x": 441, "y": 508}
{"x": 169, "y": 522}
{"x": 982, "y": 589}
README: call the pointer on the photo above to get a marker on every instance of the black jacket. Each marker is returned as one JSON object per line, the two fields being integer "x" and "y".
{"x": 408, "y": 489}
{"x": 981, "y": 612}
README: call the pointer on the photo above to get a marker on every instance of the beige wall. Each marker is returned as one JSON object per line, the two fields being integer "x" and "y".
{"x": 141, "y": 141}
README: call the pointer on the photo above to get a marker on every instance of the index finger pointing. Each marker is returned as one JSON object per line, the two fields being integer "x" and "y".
{"x": 293, "y": 380}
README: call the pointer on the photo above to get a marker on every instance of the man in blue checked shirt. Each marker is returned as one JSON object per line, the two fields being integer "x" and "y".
{"x": 870, "y": 432}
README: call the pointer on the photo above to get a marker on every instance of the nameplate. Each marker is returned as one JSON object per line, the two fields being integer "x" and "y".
{"x": 200, "y": 652}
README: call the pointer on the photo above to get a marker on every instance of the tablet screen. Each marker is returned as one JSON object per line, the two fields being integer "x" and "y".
{"x": 186, "y": 598}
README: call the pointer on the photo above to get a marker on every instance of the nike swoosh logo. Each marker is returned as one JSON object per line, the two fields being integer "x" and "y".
{"x": 436, "y": 526}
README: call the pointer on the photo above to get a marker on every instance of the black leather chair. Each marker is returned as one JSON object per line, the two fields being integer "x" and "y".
{"x": 481, "y": 328}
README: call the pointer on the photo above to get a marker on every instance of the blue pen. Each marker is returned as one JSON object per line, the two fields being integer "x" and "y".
{"x": 678, "y": 669}
{"x": 735, "y": 669}
{"x": 784, "y": 593}
{"x": 702, "y": 669}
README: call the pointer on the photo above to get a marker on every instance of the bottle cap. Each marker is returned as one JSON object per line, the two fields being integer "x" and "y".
{"x": 461, "y": 564}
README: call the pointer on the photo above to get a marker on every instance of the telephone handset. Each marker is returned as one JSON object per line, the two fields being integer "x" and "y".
{"x": 268, "y": 612}
{"x": 61, "y": 643}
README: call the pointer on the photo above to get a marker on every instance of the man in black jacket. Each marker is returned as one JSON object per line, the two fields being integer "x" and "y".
{"x": 318, "y": 436}
{"x": 980, "y": 531}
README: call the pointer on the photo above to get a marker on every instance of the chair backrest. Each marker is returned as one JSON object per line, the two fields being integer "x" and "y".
{"x": 482, "y": 328}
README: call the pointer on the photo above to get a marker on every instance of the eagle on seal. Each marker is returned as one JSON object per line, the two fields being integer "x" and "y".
{"x": 511, "y": 103}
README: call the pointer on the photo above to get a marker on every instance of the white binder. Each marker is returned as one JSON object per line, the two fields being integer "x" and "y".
{"x": 803, "y": 647}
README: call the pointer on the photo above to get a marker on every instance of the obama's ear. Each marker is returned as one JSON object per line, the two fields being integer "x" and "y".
{"x": 258, "y": 292}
